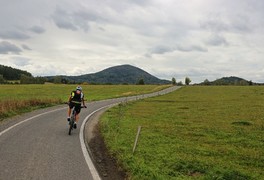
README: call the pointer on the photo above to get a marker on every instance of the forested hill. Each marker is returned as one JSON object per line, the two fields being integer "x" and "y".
{"x": 10, "y": 73}
{"x": 123, "y": 74}
{"x": 232, "y": 80}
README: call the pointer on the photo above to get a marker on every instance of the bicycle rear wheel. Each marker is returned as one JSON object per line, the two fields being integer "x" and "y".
{"x": 71, "y": 126}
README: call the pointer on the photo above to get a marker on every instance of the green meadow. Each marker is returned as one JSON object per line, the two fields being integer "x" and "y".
{"x": 16, "y": 99}
{"x": 196, "y": 132}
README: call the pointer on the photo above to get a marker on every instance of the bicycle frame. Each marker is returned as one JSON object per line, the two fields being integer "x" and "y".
{"x": 72, "y": 120}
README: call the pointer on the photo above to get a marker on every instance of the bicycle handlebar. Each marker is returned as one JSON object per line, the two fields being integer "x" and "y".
{"x": 69, "y": 103}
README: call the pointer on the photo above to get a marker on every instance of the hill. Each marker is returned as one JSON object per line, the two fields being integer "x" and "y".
{"x": 123, "y": 74}
{"x": 10, "y": 73}
{"x": 232, "y": 80}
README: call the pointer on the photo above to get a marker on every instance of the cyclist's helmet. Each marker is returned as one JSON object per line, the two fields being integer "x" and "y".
{"x": 79, "y": 88}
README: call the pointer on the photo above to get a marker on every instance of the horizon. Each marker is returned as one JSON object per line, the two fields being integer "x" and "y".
{"x": 150, "y": 74}
{"x": 199, "y": 39}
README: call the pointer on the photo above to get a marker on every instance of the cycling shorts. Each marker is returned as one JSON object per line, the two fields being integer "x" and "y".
{"x": 77, "y": 107}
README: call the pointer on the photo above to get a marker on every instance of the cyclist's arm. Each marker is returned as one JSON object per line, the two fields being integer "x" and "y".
{"x": 83, "y": 103}
{"x": 70, "y": 98}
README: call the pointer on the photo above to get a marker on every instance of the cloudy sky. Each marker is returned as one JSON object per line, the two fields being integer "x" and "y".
{"x": 201, "y": 39}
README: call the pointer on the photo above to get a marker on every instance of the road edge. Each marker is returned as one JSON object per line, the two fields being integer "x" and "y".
{"x": 85, "y": 147}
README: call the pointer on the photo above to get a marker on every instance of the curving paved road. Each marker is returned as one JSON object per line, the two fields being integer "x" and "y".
{"x": 36, "y": 145}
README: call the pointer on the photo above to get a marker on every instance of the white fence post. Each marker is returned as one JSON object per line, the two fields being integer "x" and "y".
{"x": 136, "y": 140}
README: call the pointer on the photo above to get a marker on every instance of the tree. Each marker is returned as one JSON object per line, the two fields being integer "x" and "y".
{"x": 24, "y": 79}
{"x": 187, "y": 81}
{"x": 2, "y": 80}
{"x": 39, "y": 80}
{"x": 173, "y": 81}
{"x": 243, "y": 83}
{"x": 179, "y": 83}
{"x": 10, "y": 73}
{"x": 64, "y": 81}
{"x": 206, "y": 82}
{"x": 57, "y": 79}
{"x": 141, "y": 81}
{"x": 250, "y": 83}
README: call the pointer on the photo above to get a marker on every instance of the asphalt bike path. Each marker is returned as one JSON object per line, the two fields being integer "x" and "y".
{"x": 37, "y": 145}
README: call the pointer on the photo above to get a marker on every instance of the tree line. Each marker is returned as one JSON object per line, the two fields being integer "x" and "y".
{"x": 9, "y": 75}
{"x": 24, "y": 79}
{"x": 180, "y": 83}
{"x": 235, "y": 81}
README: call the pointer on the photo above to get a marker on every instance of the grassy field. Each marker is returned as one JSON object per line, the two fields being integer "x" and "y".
{"x": 193, "y": 133}
{"x": 15, "y": 99}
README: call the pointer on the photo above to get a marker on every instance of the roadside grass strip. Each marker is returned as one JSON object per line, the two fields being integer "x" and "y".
{"x": 17, "y": 99}
{"x": 198, "y": 132}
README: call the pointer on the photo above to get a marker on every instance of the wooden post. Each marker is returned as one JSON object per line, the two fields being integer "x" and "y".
{"x": 136, "y": 140}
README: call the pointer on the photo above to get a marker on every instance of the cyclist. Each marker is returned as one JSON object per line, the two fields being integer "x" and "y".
{"x": 75, "y": 100}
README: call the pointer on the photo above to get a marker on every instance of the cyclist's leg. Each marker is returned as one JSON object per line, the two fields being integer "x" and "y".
{"x": 78, "y": 110}
{"x": 70, "y": 109}
{"x": 77, "y": 117}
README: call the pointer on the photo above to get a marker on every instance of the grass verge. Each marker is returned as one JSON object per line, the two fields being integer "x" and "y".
{"x": 16, "y": 99}
{"x": 193, "y": 133}
{"x": 10, "y": 108}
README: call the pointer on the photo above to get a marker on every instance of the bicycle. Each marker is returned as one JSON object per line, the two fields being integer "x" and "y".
{"x": 73, "y": 119}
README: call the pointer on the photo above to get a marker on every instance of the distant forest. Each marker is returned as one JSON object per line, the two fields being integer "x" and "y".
{"x": 232, "y": 80}
{"x": 124, "y": 74}
{"x": 9, "y": 75}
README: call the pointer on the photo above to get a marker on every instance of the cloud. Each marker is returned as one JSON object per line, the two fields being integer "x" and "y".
{"x": 37, "y": 29}
{"x": 7, "y": 47}
{"x": 13, "y": 35}
{"x": 228, "y": 21}
{"x": 20, "y": 61}
{"x": 216, "y": 40}
{"x": 161, "y": 49}
{"x": 184, "y": 37}
{"x": 191, "y": 48}
{"x": 63, "y": 20}
{"x": 81, "y": 16}
{"x": 72, "y": 20}
{"x": 25, "y": 47}
{"x": 46, "y": 70}
{"x": 215, "y": 24}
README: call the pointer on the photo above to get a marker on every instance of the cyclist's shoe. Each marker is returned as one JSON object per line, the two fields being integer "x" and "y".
{"x": 68, "y": 119}
{"x": 75, "y": 125}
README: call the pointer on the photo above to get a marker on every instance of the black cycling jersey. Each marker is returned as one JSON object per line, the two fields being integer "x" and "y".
{"x": 76, "y": 97}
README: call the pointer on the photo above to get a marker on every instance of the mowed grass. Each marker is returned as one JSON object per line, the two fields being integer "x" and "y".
{"x": 15, "y": 99}
{"x": 192, "y": 133}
